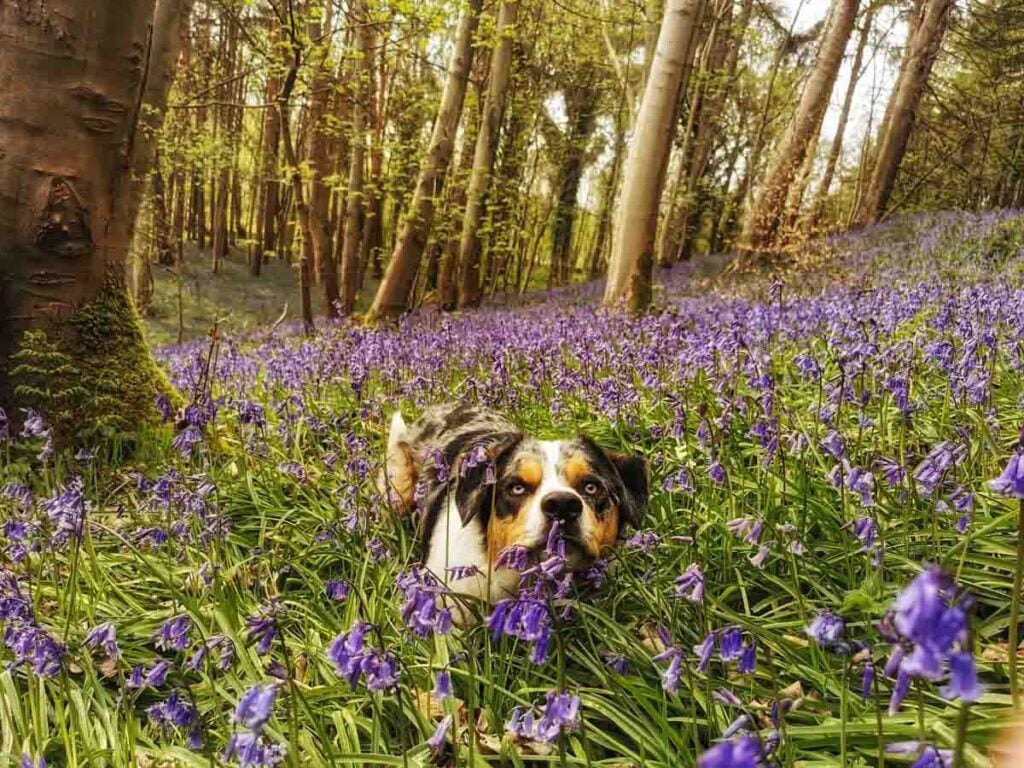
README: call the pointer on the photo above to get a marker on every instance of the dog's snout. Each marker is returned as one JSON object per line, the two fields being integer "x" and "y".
{"x": 562, "y": 506}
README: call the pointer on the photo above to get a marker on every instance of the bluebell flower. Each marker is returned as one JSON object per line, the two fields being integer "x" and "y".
{"x": 616, "y": 662}
{"x": 103, "y": 636}
{"x": 741, "y": 723}
{"x": 867, "y": 681}
{"x": 252, "y": 751}
{"x": 515, "y": 558}
{"x": 173, "y": 635}
{"x": 421, "y": 611}
{"x": 559, "y": 714}
{"x": 674, "y": 671}
{"x": 174, "y": 712}
{"x": 34, "y": 647}
{"x": 748, "y": 659}
{"x": 726, "y": 698}
{"x": 744, "y": 752}
{"x": 336, "y": 589}
{"x": 758, "y": 558}
{"x": 256, "y": 707}
{"x": 730, "y": 644}
{"x": 443, "y": 685}
{"x": 436, "y": 741}
{"x": 262, "y": 628}
{"x": 827, "y": 629}
{"x": 963, "y": 679}
{"x": 704, "y": 652}
{"x": 690, "y": 585}
{"x": 1011, "y": 481}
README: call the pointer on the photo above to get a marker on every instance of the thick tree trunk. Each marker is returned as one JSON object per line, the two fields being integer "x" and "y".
{"x": 324, "y": 265}
{"x": 393, "y": 294}
{"x": 762, "y": 225}
{"x": 922, "y": 48}
{"x": 581, "y": 103}
{"x": 164, "y": 253}
{"x": 353, "y": 233}
{"x": 836, "y": 148}
{"x": 483, "y": 156}
{"x": 630, "y": 270}
{"x": 74, "y": 77}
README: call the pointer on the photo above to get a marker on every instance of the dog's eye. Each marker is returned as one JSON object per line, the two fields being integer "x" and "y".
{"x": 591, "y": 489}
{"x": 517, "y": 489}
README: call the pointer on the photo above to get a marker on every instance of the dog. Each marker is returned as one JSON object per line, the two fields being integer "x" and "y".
{"x": 480, "y": 486}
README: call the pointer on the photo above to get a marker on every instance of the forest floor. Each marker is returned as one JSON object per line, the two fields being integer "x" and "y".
{"x": 822, "y": 577}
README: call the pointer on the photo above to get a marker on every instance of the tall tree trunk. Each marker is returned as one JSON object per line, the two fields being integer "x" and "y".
{"x": 836, "y": 148}
{"x": 373, "y": 225}
{"x": 762, "y": 225}
{"x": 393, "y": 294}
{"x": 483, "y": 156}
{"x": 295, "y": 172}
{"x": 581, "y": 104}
{"x": 630, "y": 270}
{"x": 324, "y": 264}
{"x": 352, "y": 239}
{"x": 161, "y": 227}
{"x": 265, "y": 237}
{"x": 922, "y": 48}
{"x": 75, "y": 78}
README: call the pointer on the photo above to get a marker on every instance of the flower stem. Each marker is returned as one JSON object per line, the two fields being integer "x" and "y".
{"x": 961, "y": 735}
{"x": 1018, "y": 577}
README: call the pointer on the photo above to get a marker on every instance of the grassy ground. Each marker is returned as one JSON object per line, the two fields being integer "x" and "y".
{"x": 874, "y": 390}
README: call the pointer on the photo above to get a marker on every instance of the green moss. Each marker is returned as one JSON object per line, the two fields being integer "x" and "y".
{"x": 92, "y": 371}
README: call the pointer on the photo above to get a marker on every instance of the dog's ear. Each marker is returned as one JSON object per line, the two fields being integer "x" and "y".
{"x": 635, "y": 473}
{"x": 478, "y": 469}
{"x": 397, "y": 482}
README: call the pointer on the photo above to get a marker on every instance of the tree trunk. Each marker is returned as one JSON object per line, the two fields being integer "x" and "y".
{"x": 265, "y": 237}
{"x": 352, "y": 238}
{"x": 483, "y": 156}
{"x": 836, "y": 148}
{"x": 161, "y": 227}
{"x": 75, "y": 77}
{"x": 393, "y": 294}
{"x": 761, "y": 228}
{"x": 581, "y": 104}
{"x": 922, "y": 48}
{"x": 324, "y": 264}
{"x": 632, "y": 263}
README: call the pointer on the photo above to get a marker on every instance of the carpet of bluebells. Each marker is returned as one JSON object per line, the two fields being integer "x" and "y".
{"x": 824, "y": 576}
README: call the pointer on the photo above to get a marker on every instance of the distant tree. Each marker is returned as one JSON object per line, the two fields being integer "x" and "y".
{"x": 761, "y": 228}
{"x": 926, "y": 31}
{"x": 484, "y": 155}
{"x": 393, "y": 295}
{"x": 632, "y": 262}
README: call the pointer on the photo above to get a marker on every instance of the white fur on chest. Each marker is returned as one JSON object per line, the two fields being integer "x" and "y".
{"x": 453, "y": 545}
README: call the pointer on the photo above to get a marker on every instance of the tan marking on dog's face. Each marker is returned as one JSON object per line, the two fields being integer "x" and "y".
{"x": 399, "y": 480}
{"x": 602, "y": 532}
{"x": 575, "y": 469}
{"x": 531, "y": 472}
{"x": 504, "y": 532}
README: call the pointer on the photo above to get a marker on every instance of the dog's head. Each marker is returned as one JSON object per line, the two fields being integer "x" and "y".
{"x": 517, "y": 487}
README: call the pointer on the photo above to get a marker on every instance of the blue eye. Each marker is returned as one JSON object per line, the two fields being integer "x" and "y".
{"x": 517, "y": 489}
{"x": 591, "y": 489}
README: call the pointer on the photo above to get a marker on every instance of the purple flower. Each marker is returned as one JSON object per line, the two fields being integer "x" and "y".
{"x": 421, "y": 612}
{"x": 515, "y": 558}
{"x": 256, "y": 707}
{"x": 559, "y": 714}
{"x": 28, "y": 762}
{"x": 748, "y": 659}
{"x": 730, "y": 644}
{"x": 33, "y": 647}
{"x": 744, "y": 752}
{"x": 1011, "y": 481}
{"x": 616, "y": 662}
{"x": 103, "y": 636}
{"x": 174, "y": 712}
{"x": 928, "y": 756}
{"x": 867, "y": 681}
{"x": 674, "y": 671}
{"x": 726, "y": 698}
{"x": 828, "y": 630}
{"x": 252, "y": 751}
{"x": 224, "y": 661}
{"x": 704, "y": 651}
{"x": 262, "y": 628}
{"x": 353, "y": 660}
{"x": 163, "y": 405}
{"x": 443, "y": 685}
{"x": 716, "y": 472}
{"x": 436, "y": 741}
{"x": 691, "y": 584}
{"x": 336, "y": 589}
{"x": 758, "y": 558}
{"x": 963, "y": 679}
{"x": 644, "y": 541}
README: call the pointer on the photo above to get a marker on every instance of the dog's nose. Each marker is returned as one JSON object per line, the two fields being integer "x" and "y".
{"x": 562, "y": 506}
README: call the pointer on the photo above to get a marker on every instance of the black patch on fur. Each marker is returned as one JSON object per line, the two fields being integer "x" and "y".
{"x": 625, "y": 478}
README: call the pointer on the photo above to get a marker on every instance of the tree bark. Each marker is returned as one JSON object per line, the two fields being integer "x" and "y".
{"x": 836, "y": 148}
{"x": 74, "y": 78}
{"x": 581, "y": 104}
{"x": 762, "y": 226}
{"x": 922, "y": 48}
{"x": 630, "y": 270}
{"x": 265, "y": 239}
{"x": 483, "y": 156}
{"x": 353, "y": 234}
{"x": 393, "y": 294}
